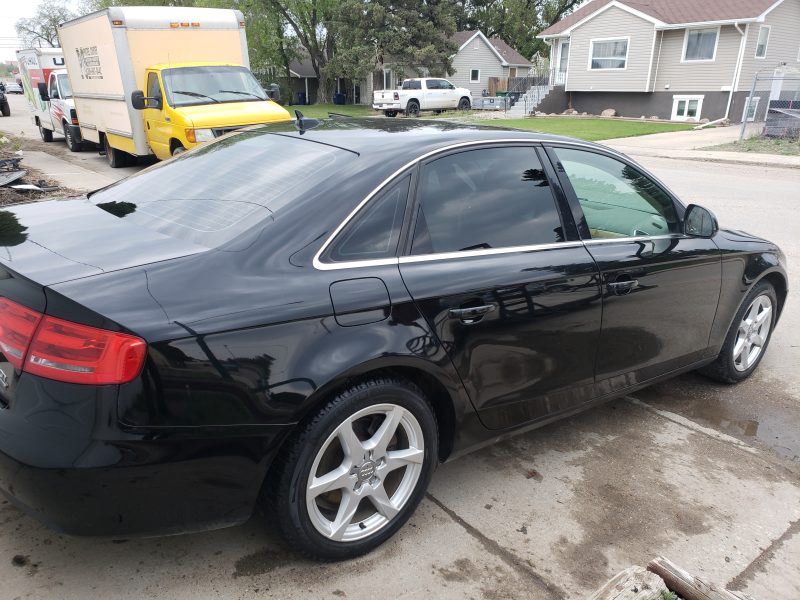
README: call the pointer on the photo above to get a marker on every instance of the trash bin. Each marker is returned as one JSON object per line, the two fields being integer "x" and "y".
{"x": 501, "y": 94}
{"x": 301, "y": 97}
{"x": 338, "y": 98}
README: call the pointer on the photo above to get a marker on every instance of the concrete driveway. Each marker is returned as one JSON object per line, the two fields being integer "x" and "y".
{"x": 706, "y": 475}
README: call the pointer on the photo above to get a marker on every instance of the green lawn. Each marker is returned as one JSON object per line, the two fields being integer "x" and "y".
{"x": 588, "y": 129}
{"x": 583, "y": 128}
{"x": 320, "y": 111}
{"x": 762, "y": 145}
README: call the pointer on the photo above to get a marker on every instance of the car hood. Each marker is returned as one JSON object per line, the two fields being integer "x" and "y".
{"x": 61, "y": 240}
{"x": 234, "y": 114}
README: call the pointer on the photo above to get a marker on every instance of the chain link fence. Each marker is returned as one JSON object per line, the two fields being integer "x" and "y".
{"x": 772, "y": 108}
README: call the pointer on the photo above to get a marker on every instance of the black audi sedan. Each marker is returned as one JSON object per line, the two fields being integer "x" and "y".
{"x": 309, "y": 320}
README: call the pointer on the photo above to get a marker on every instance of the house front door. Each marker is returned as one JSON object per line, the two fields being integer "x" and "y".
{"x": 563, "y": 62}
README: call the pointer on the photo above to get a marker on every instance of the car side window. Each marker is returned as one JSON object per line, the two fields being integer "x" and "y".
{"x": 433, "y": 84}
{"x": 485, "y": 198}
{"x": 375, "y": 231}
{"x": 617, "y": 199}
{"x": 153, "y": 89}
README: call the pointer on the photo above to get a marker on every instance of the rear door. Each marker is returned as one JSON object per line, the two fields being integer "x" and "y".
{"x": 509, "y": 290}
{"x": 660, "y": 287}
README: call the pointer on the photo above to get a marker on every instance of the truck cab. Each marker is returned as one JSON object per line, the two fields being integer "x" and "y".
{"x": 61, "y": 115}
{"x": 184, "y": 105}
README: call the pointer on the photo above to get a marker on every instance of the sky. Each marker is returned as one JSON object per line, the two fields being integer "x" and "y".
{"x": 11, "y": 11}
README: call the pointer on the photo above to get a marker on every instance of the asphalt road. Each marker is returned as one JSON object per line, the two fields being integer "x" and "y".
{"x": 704, "y": 474}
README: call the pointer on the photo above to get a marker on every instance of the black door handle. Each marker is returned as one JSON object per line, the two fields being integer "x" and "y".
{"x": 620, "y": 288}
{"x": 471, "y": 314}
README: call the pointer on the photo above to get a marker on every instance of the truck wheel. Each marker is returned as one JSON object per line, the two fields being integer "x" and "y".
{"x": 47, "y": 135}
{"x": 412, "y": 109}
{"x": 116, "y": 158}
{"x": 72, "y": 143}
{"x": 464, "y": 104}
{"x": 6, "y": 110}
{"x": 178, "y": 149}
{"x": 390, "y": 113}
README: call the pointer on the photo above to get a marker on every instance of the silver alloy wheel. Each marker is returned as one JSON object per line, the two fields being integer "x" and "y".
{"x": 752, "y": 333}
{"x": 375, "y": 456}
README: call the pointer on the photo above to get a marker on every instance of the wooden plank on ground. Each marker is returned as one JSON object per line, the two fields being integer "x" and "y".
{"x": 688, "y": 586}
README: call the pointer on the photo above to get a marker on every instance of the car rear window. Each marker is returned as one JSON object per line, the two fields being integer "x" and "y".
{"x": 213, "y": 194}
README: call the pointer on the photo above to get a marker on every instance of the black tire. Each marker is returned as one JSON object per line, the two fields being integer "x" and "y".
{"x": 285, "y": 492}
{"x": 116, "y": 158}
{"x": 728, "y": 368}
{"x": 6, "y": 109}
{"x": 464, "y": 104}
{"x": 47, "y": 135}
{"x": 73, "y": 144}
{"x": 178, "y": 149}
{"x": 412, "y": 108}
{"x": 390, "y": 113}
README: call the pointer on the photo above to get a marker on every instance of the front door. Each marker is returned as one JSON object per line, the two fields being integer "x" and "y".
{"x": 56, "y": 104}
{"x": 156, "y": 123}
{"x": 563, "y": 63}
{"x": 513, "y": 298}
{"x": 660, "y": 287}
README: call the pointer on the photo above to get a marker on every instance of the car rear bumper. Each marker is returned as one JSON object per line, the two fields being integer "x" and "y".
{"x": 65, "y": 462}
{"x": 387, "y": 106}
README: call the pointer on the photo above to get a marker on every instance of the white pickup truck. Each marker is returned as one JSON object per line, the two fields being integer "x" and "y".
{"x": 426, "y": 93}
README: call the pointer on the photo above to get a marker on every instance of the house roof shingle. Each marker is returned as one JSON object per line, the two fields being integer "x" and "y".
{"x": 509, "y": 54}
{"x": 672, "y": 12}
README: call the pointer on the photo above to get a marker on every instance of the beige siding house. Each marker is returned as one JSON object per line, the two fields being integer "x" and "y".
{"x": 683, "y": 59}
{"x": 478, "y": 58}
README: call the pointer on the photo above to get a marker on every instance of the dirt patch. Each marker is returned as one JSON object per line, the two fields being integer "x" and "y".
{"x": 9, "y": 196}
{"x": 637, "y": 510}
{"x": 263, "y": 561}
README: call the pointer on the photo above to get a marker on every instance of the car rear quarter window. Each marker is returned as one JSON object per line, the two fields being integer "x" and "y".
{"x": 484, "y": 199}
{"x": 375, "y": 231}
{"x": 211, "y": 195}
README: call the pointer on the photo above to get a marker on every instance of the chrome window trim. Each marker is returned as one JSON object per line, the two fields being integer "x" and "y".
{"x": 637, "y": 238}
{"x": 323, "y": 266}
{"x": 487, "y": 252}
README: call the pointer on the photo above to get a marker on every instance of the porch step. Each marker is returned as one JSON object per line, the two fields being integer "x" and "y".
{"x": 528, "y": 102}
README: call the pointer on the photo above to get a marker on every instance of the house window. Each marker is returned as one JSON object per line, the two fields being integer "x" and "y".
{"x": 475, "y": 76}
{"x": 750, "y": 109}
{"x": 700, "y": 44}
{"x": 609, "y": 54}
{"x": 763, "y": 40}
{"x": 686, "y": 108}
{"x": 387, "y": 79}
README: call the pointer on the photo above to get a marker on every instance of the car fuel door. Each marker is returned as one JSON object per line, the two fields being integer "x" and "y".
{"x": 660, "y": 287}
{"x": 514, "y": 301}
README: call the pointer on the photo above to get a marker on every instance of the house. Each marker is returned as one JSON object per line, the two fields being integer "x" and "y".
{"x": 477, "y": 59}
{"x": 677, "y": 59}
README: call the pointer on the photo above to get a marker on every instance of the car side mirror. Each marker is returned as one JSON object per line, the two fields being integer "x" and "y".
{"x": 139, "y": 101}
{"x": 42, "y": 87}
{"x": 699, "y": 222}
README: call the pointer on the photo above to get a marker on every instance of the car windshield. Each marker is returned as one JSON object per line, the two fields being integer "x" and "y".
{"x": 213, "y": 194}
{"x": 186, "y": 86}
{"x": 64, "y": 86}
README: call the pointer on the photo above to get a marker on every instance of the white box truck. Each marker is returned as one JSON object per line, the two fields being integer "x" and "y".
{"x": 161, "y": 80}
{"x": 46, "y": 86}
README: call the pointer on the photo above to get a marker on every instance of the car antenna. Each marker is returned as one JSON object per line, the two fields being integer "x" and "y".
{"x": 303, "y": 124}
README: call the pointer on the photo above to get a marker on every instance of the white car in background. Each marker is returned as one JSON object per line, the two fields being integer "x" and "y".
{"x": 424, "y": 93}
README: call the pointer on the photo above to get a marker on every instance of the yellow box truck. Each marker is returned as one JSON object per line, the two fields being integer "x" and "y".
{"x": 160, "y": 80}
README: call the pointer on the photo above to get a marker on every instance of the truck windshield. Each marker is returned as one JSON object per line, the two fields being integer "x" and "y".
{"x": 65, "y": 87}
{"x": 187, "y": 86}
{"x": 216, "y": 192}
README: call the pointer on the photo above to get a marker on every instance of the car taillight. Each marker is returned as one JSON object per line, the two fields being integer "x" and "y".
{"x": 17, "y": 326}
{"x": 396, "y": 96}
{"x": 67, "y": 351}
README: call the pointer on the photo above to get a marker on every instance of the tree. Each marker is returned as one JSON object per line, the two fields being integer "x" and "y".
{"x": 311, "y": 23}
{"x": 408, "y": 34}
{"x": 517, "y": 22}
{"x": 41, "y": 30}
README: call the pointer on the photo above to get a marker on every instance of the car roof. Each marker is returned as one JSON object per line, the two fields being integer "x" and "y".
{"x": 406, "y": 138}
